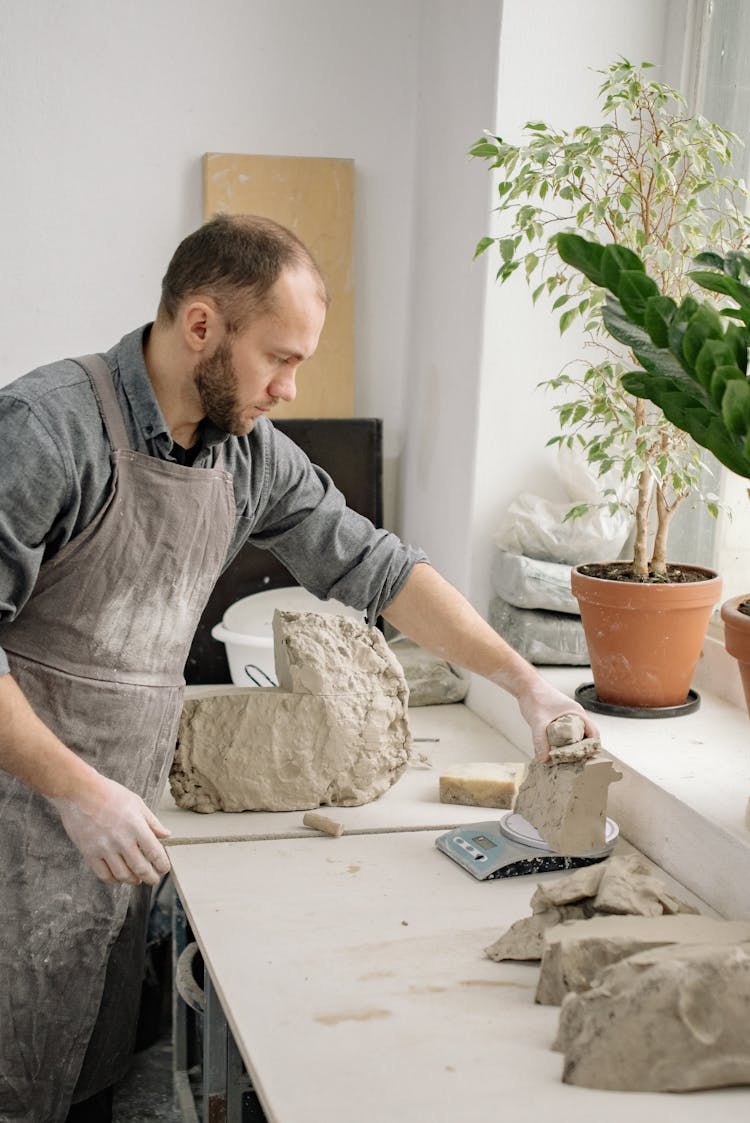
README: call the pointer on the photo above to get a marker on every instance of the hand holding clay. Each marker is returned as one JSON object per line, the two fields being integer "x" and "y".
{"x": 116, "y": 833}
{"x": 540, "y": 705}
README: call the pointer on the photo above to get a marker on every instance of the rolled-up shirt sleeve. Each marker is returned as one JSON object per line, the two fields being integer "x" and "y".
{"x": 34, "y": 489}
{"x": 328, "y": 548}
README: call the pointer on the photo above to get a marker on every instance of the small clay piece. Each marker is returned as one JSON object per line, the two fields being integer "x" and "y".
{"x": 567, "y": 803}
{"x": 565, "y": 730}
{"x": 570, "y": 754}
{"x": 524, "y": 939}
{"x": 487, "y": 784}
{"x": 322, "y": 823}
{"x": 575, "y": 954}
{"x": 672, "y": 1019}
{"x": 580, "y": 896}
{"x": 582, "y": 885}
{"x": 568, "y": 742}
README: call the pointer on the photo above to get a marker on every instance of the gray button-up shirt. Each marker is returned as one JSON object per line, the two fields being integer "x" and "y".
{"x": 56, "y": 475}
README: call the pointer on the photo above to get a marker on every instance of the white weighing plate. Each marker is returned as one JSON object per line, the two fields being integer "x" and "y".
{"x": 517, "y": 829}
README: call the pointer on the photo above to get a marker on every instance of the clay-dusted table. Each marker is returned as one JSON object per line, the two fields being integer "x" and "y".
{"x": 352, "y": 975}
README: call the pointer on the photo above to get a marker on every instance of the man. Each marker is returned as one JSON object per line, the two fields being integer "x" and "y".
{"x": 128, "y": 483}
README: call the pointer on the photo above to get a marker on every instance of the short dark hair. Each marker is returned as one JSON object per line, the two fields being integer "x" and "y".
{"x": 235, "y": 260}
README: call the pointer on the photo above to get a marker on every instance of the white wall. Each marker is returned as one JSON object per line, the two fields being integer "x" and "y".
{"x": 108, "y": 108}
{"x": 457, "y": 84}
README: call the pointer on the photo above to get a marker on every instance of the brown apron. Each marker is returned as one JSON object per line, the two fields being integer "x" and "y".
{"x": 99, "y": 651}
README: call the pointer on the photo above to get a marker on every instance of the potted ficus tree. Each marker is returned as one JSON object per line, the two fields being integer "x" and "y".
{"x": 693, "y": 365}
{"x": 654, "y": 180}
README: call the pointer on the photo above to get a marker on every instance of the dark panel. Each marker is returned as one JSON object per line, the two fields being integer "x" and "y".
{"x": 350, "y": 450}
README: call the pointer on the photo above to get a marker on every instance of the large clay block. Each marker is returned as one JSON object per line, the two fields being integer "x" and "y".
{"x": 268, "y": 750}
{"x": 320, "y": 655}
{"x": 622, "y": 884}
{"x": 575, "y": 954}
{"x": 567, "y": 803}
{"x": 287, "y": 749}
{"x": 673, "y": 1019}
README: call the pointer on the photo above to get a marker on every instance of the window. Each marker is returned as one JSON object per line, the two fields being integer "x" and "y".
{"x": 721, "y": 92}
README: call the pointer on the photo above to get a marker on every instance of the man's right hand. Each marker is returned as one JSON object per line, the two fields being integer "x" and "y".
{"x": 116, "y": 833}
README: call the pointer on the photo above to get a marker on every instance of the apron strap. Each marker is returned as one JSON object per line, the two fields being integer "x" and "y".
{"x": 106, "y": 396}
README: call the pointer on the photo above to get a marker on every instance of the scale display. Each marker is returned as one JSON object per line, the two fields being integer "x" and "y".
{"x": 510, "y": 847}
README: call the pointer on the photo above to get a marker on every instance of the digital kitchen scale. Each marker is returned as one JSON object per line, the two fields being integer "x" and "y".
{"x": 510, "y": 847}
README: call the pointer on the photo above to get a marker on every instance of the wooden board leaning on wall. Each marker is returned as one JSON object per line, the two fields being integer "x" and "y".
{"x": 314, "y": 197}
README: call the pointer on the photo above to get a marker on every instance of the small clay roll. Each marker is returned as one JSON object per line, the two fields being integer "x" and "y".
{"x": 322, "y": 823}
{"x": 565, "y": 730}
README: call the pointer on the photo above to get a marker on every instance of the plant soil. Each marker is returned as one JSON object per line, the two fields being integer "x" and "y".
{"x": 623, "y": 571}
{"x": 744, "y": 607}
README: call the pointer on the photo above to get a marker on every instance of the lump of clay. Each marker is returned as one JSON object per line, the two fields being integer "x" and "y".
{"x": 575, "y": 954}
{"x": 290, "y": 748}
{"x": 431, "y": 681}
{"x": 625, "y": 883}
{"x": 565, "y": 730}
{"x": 567, "y": 803}
{"x": 322, "y": 655}
{"x": 524, "y": 940}
{"x": 622, "y": 884}
{"x": 673, "y": 1019}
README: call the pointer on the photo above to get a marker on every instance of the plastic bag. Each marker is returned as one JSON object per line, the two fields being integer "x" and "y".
{"x": 534, "y": 527}
{"x": 529, "y": 583}
{"x": 543, "y": 638}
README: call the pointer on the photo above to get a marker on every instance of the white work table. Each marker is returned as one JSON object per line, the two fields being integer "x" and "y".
{"x": 454, "y": 735}
{"x": 352, "y": 974}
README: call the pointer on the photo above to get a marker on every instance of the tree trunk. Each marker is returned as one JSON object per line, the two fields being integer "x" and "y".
{"x": 643, "y": 506}
{"x": 664, "y": 516}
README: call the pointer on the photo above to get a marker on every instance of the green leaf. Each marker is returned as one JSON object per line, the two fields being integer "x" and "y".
{"x": 635, "y": 290}
{"x": 714, "y": 260}
{"x": 581, "y": 254}
{"x": 507, "y": 247}
{"x": 713, "y": 354}
{"x": 530, "y": 263}
{"x": 719, "y": 380}
{"x": 659, "y": 312}
{"x": 482, "y": 245}
{"x": 735, "y": 408}
{"x": 483, "y": 149}
{"x": 567, "y": 318}
{"x": 704, "y": 324}
{"x": 577, "y": 512}
{"x": 726, "y": 286}
{"x": 615, "y": 261}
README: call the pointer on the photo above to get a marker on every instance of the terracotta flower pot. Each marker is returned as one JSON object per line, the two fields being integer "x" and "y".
{"x": 644, "y": 640}
{"x": 737, "y": 638}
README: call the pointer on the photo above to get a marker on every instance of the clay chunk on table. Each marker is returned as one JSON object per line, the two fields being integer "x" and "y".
{"x": 481, "y": 784}
{"x": 672, "y": 1019}
{"x": 576, "y": 953}
{"x": 622, "y": 885}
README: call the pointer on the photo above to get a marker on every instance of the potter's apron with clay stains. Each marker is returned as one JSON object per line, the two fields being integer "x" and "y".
{"x": 99, "y": 651}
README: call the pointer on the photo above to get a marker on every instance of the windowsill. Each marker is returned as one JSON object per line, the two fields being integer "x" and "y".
{"x": 683, "y": 798}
